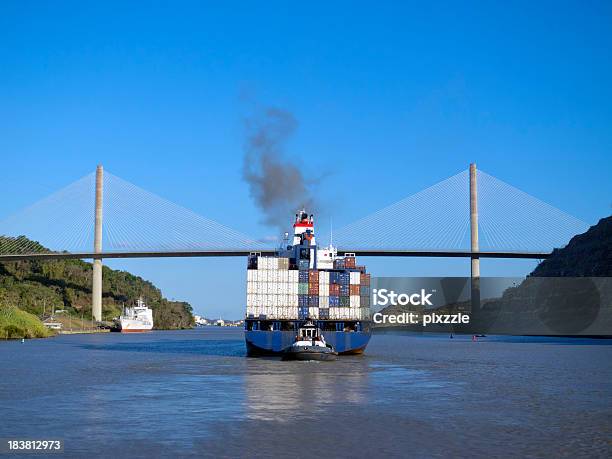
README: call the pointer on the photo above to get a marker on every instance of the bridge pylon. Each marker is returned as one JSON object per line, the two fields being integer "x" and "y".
{"x": 96, "y": 289}
{"x": 475, "y": 271}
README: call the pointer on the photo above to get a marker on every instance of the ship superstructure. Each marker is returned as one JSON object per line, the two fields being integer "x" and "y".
{"x": 306, "y": 283}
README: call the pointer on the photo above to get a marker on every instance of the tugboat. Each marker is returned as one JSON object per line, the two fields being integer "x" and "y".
{"x": 310, "y": 345}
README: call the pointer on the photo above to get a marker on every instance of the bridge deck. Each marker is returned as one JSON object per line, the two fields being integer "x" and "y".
{"x": 244, "y": 253}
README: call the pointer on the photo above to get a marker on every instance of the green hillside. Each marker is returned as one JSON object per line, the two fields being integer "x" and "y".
{"x": 38, "y": 287}
{"x": 15, "y": 323}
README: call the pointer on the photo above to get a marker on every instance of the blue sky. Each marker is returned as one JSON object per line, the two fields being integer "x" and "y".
{"x": 390, "y": 98}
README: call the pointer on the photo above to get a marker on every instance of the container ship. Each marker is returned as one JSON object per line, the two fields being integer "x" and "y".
{"x": 136, "y": 319}
{"x": 303, "y": 283}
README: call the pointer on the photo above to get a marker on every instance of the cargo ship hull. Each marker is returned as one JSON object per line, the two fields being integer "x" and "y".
{"x": 274, "y": 342}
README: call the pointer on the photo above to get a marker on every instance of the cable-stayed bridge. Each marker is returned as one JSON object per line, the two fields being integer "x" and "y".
{"x": 432, "y": 222}
{"x": 471, "y": 214}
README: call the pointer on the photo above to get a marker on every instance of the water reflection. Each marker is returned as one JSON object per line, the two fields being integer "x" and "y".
{"x": 285, "y": 391}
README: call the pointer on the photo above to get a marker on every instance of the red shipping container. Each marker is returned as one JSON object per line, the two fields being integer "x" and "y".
{"x": 334, "y": 289}
{"x": 313, "y": 289}
{"x": 349, "y": 262}
{"x": 354, "y": 290}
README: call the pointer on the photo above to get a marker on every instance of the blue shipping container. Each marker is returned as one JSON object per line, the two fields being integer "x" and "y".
{"x": 304, "y": 264}
{"x": 302, "y": 301}
{"x": 313, "y": 301}
{"x": 334, "y": 301}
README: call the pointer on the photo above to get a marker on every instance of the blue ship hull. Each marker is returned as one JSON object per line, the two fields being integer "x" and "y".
{"x": 274, "y": 342}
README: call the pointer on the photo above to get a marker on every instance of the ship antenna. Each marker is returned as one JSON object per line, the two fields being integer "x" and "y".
{"x": 331, "y": 231}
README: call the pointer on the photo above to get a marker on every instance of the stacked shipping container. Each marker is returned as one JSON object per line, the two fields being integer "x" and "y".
{"x": 276, "y": 292}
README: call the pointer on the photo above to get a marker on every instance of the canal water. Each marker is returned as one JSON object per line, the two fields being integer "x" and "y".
{"x": 194, "y": 393}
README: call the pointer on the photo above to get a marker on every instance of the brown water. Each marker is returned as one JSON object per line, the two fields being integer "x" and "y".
{"x": 194, "y": 393}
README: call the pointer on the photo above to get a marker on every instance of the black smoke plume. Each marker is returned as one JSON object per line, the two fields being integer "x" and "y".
{"x": 276, "y": 182}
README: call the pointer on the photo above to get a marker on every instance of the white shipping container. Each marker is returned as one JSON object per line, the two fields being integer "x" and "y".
{"x": 250, "y": 274}
{"x": 293, "y": 275}
{"x": 323, "y": 289}
{"x": 294, "y": 301}
{"x": 354, "y": 277}
{"x": 283, "y": 276}
{"x": 313, "y": 312}
{"x": 261, "y": 262}
{"x": 324, "y": 301}
{"x": 323, "y": 277}
{"x": 354, "y": 301}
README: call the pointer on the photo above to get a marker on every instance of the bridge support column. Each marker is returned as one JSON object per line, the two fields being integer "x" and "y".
{"x": 96, "y": 290}
{"x": 475, "y": 271}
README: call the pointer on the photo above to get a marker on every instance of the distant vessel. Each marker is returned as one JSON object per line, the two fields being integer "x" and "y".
{"x": 303, "y": 283}
{"x": 136, "y": 319}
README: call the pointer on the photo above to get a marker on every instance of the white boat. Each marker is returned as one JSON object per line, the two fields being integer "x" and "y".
{"x": 136, "y": 319}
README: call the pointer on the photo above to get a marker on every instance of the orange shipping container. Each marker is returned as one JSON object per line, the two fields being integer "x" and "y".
{"x": 354, "y": 290}
{"x": 349, "y": 262}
